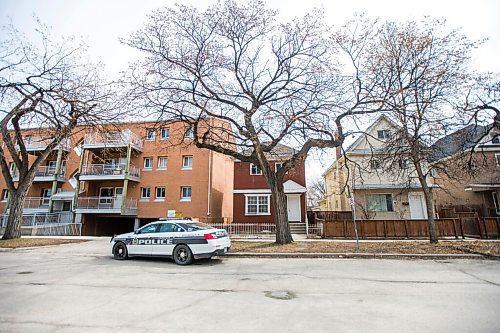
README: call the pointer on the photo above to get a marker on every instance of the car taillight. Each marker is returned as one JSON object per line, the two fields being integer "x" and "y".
{"x": 210, "y": 236}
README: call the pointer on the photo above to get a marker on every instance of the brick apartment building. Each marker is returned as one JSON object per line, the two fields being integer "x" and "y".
{"x": 129, "y": 174}
{"x": 252, "y": 196}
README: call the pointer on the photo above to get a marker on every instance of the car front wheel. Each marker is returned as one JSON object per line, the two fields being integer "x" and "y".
{"x": 120, "y": 251}
{"x": 183, "y": 255}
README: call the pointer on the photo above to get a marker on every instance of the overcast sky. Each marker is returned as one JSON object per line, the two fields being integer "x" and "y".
{"x": 102, "y": 22}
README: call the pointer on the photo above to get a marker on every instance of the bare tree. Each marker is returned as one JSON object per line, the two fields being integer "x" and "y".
{"x": 424, "y": 66}
{"x": 246, "y": 83}
{"x": 316, "y": 191}
{"x": 46, "y": 91}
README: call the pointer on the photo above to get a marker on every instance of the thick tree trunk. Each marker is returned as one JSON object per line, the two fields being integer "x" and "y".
{"x": 278, "y": 197}
{"x": 429, "y": 202}
{"x": 16, "y": 205}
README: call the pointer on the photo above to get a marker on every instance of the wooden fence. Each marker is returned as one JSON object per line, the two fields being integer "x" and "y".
{"x": 320, "y": 216}
{"x": 408, "y": 229}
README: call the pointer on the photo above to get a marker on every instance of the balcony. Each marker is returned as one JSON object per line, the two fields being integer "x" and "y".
{"x": 102, "y": 140}
{"x": 106, "y": 205}
{"x": 109, "y": 172}
{"x": 36, "y": 145}
{"x": 43, "y": 174}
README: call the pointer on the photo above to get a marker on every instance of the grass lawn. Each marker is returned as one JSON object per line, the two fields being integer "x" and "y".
{"x": 33, "y": 242}
{"x": 447, "y": 247}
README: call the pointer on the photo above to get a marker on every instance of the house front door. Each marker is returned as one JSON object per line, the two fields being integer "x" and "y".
{"x": 417, "y": 206}
{"x": 293, "y": 207}
{"x": 118, "y": 197}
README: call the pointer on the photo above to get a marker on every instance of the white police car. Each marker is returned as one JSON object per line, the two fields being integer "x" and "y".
{"x": 182, "y": 240}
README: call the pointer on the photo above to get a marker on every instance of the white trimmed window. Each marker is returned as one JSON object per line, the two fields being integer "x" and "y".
{"x": 404, "y": 163}
{"x": 257, "y": 205}
{"x": 496, "y": 139}
{"x": 185, "y": 193}
{"x": 189, "y": 134}
{"x": 379, "y": 202}
{"x": 160, "y": 193}
{"x": 187, "y": 162}
{"x": 277, "y": 165}
{"x": 148, "y": 163}
{"x": 497, "y": 159}
{"x": 162, "y": 163}
{"x": 383, "y": 134}
{"x": 165, "y": 133}
{"x": 145, "y": 193}
{"x": 255, "y": 170}
{"x": 150, "y": 134}
{"x": 5, "y": 194}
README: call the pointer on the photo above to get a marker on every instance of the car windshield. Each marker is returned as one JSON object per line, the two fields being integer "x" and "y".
{"x": 194, "y": 226}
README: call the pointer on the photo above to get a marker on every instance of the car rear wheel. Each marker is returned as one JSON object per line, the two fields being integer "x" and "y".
{"x": 183, "y": 255}
{"x": 120, "y": 251}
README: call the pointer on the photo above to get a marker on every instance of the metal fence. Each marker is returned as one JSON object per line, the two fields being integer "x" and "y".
{"x": 315, "y": 230}
{"x": 248, "y": 230}
{"x": 45, "y": 224}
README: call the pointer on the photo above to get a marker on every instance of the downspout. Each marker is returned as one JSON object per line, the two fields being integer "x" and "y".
{"x": 54, "y": 179}
{"x": 210, "y": 157}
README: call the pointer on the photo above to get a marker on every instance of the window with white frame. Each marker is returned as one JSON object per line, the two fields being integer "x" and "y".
{"x": 497, "y": 159}
{"x": 255, "y": 170}
{"x": 5, "y": 194}
{"x": 148, "y": 163}
{"x": 145, "y": 193}
{"x": 150, "y": 134}
{"x": 277, "y": 166}
{"x": 186, "y": 193}
{"x": 187, "y": 162}
{"x": 189, "y": 134}
{"x": 165, "y": 133}
{"x": 379, "y": 202}
{"x": 257, "y": 204}
{"x": 46, "y": 194}
{"x": 404, "y": 163}
{"x": 162, "y": 163}
{"x": 383, "y": 134}
{"x": 496, "y": 139}
{"x": 375, "y": 164}
{"x": 160, "y": 193}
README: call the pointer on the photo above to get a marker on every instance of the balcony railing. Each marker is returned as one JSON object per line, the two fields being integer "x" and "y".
{"x": 33, "y": 144}
{"x": 36, "y": 202}
{"x": 112, "y": 139}
{"x": 42, "y": 173}
{"x": 106, "y": 170}
{"x": 106, "y": 205}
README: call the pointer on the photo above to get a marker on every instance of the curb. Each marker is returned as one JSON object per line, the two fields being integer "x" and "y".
{"x": 358, "y": 256}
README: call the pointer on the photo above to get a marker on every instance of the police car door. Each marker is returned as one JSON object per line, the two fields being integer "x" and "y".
{"x": 142, "y": 242}
{"x": 163, "y": 244}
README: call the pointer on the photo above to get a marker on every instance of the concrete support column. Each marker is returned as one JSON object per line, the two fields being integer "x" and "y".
{"x": 125, "y": 180}
{"x": 77, "y": 189}
{"x": 137, "y": 223}
{"x": 54, "y": 179}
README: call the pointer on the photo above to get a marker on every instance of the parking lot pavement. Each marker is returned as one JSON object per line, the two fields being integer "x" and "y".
{"x": 77, "y": 287}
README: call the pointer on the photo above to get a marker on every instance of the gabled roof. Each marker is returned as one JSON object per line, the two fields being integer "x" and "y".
{"x": 280, "y": 151}
{"x": 458, "y": 141}
{"x": 369, "y": 129}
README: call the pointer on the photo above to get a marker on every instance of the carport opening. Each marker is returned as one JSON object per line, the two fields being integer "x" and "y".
{"x": 106, "y": 226}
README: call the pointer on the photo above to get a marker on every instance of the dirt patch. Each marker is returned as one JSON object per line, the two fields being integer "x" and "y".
{"x": 488, "y": 248}
{"x": 34, "y": 242}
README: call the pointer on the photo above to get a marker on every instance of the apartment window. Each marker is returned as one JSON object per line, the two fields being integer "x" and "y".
{"x": 160, "y": 193}
{"x": 496, "y": 139}
{"x": 375, "y": 164}
{"x": 497, "y": 159}
{"x": 404, "y": 163}
{"x": 5, "y": 194}
{"x": 186, "y": 193}
{"x": 277, "y": 166}
{"x": 383, "y": 134}
{"x": 257, "y": 205}
{"x": 150, "y": 134}
{"x": 189, "y": 134}
{"x": 379, "y": 202}
{"x": 12, "y": 168}
{"x": 46, "y": 194}
{"x": 162, "y": 163}
{"x": 148, "y": 163}
{"x": 165, "y": 133}
{"x": 145, "y": 193}
{"x": 254, "y": 170}
{"x": 187, "y": 162}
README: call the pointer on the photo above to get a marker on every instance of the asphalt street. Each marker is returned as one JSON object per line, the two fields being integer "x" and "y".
{"x": 79, "y": 287}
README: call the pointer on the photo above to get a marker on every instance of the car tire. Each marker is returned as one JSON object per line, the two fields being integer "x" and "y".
{"x": 120, "y": 251}
{"x": 183, "y": 255}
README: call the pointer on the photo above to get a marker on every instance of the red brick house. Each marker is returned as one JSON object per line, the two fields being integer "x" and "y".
{"x": 252, "y": 196}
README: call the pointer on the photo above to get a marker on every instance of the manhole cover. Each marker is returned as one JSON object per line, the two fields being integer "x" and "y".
{"x": 280, "y": 294}
{"x": 25, "y": 272}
